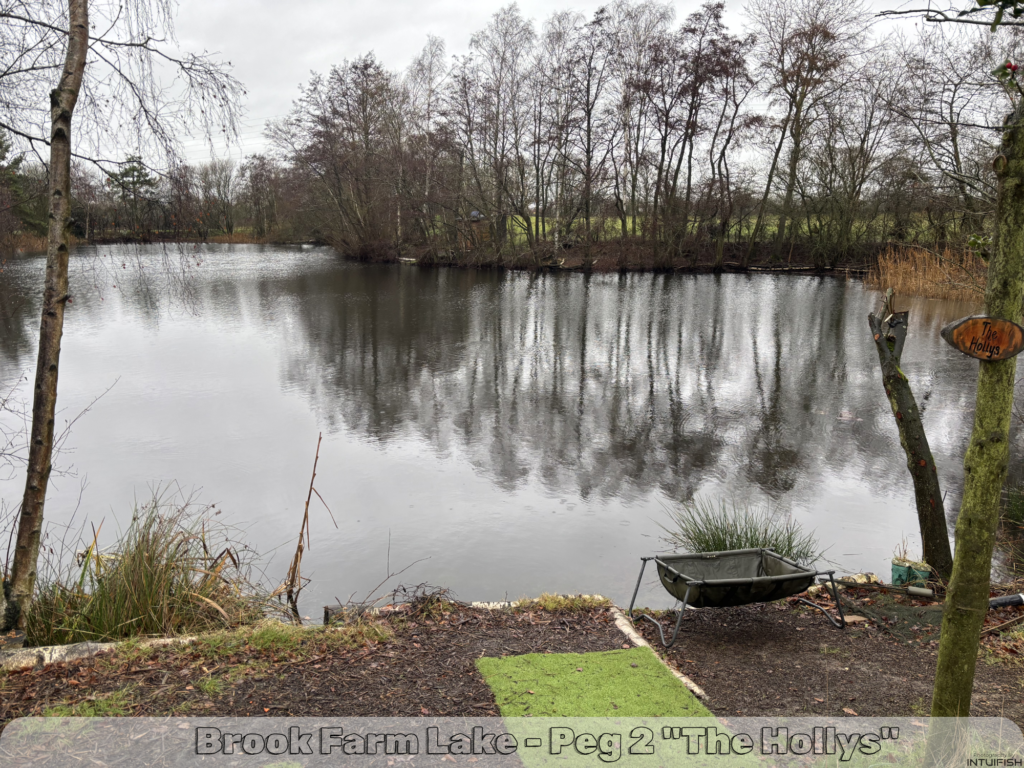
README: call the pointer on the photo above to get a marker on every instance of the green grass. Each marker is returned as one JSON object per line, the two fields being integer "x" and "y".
{"x": 211, "y": 686}
{"x": 701, "y": 526}
{"x": 624, "y": 683}
{"x": 115, "y": 704}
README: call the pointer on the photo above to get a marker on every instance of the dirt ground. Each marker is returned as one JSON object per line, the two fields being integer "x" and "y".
{"x": 756, "y": 660}
{"x": 427, "y": 667}
{"x": 786, "y": 659}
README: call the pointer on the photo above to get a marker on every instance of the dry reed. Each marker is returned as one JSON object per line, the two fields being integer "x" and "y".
{"x": 916, "y": 271}
{"x": 236, "y": 238}
{"x": 26, "y": 242}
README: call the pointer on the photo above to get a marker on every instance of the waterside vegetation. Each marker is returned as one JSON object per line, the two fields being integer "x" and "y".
{"x": 175, "y": 570}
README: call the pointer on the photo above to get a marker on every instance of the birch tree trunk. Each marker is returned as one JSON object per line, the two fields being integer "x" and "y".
{"x": 55, "y": 295}
{"x": 988, "y": 452}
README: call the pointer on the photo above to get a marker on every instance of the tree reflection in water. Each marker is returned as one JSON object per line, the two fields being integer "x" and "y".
{"x": 613, "y": 391}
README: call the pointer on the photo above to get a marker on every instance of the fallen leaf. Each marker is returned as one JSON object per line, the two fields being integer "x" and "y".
{"x": 849, "y": 711}
{"x": 266, "y": 709}
{"x": 73, "y": 682}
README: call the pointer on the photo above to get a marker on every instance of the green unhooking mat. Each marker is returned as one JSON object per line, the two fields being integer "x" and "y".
{"x": 623, "y": 683}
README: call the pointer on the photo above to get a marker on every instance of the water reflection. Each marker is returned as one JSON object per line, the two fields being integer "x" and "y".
{"x": 608, "y": 385}
{"x": 603, "y": 396}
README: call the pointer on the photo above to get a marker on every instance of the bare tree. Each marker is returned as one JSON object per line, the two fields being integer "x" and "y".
{"x": 947, "y": 105}
{"x": 636, "y": 27}
{"x": 258, "y": 191}
{"x": 45, "y": 51}
{"x": 425, "y": 78}
{"x": 800, "y": 46}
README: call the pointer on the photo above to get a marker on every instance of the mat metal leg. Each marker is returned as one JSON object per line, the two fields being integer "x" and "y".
{"x": 679, "y": 621}
{"x": 841, "y": 624}
{"x": 637, "y": 588}
{"x": 654, "y": 621}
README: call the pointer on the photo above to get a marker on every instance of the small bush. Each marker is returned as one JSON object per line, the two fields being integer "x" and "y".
{"x": 173, "y": 571}
{"x": 701, "y": 526}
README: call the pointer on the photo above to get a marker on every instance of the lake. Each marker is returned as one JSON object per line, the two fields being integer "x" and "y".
{"x": 498, "y": 433}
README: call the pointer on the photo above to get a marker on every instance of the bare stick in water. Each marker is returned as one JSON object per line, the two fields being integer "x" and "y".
{"x": 293, "y": 584}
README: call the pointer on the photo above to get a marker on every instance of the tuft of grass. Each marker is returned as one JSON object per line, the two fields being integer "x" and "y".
{"x": 211, "y": 686}
{"x": 915, "y": 271}
{"x": 563, "y": 603}
{"x": 701, "y": 526}
{"x": 114, "y": 704}
{"x": 173, "y": 571}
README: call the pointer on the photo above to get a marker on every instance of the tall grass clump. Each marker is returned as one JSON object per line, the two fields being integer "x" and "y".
{"x": 913, "y": 271}
{"x": 700, "y": 525}
{"x": 174, "y": 570}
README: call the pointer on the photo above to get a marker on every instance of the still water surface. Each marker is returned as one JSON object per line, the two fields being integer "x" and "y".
{"x": 514, "y": 433}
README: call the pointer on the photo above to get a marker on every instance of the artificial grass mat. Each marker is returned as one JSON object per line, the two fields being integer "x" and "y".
{"x": 624, "y": 683}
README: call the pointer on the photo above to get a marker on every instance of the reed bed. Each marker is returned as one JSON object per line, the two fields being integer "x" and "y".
{"x": 915, "y": 271}
{"x": 237, "y": 237}
{"x": 174, "y": 570}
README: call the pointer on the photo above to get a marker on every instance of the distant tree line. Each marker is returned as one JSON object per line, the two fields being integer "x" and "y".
{"x": 807, "y": 132}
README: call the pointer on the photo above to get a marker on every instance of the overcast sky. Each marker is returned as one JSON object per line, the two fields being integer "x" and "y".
{"x": 274, "y": 46}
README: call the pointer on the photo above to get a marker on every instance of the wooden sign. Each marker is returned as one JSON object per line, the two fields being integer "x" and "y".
{"x": 986, "y": 338}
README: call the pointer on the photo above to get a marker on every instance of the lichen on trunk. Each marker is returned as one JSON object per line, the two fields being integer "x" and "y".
{"x": 987, "y": 455}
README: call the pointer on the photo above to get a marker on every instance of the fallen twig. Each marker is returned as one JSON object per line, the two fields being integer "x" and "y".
{"x": 1005, "y": 625}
